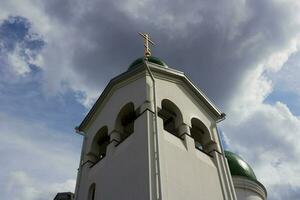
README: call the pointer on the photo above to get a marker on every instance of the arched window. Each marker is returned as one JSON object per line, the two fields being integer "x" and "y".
{"x": 99, "y": 144}
{"x": 171, "y": 116}
{"x": 92, "y": 190}
{"x": 200, "y": 134}
{"x": 125, "y": 121}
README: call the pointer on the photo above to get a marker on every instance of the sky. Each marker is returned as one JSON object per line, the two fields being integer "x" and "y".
{"x": 56, "y": 57}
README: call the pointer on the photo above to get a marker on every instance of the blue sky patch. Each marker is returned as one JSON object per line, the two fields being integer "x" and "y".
{"x": 26, "y": 97}
{"x": 16, "y": 35}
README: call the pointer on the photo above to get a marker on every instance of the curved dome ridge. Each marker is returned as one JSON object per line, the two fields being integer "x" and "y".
{"x": 239, "y": 167}
{"x": 151, "y": 59}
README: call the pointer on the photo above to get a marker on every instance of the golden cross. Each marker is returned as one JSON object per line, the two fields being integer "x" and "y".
{"x": 147, "y": 40}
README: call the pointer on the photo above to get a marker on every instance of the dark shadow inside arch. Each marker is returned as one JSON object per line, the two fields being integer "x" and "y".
{"x": 200, "y": 134}
{"x": 125, "y": 121}
{"x": 171, "y": 116}
{"x": 100, "y": 143}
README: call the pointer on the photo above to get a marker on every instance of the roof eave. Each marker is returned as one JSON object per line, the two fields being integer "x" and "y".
{"x": 169, "y": 71}
{"x": 178, "y": 74}
{"x": 109, "y": 86}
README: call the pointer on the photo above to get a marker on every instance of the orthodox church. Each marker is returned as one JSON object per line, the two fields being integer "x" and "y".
{"x": 152, "y": 135}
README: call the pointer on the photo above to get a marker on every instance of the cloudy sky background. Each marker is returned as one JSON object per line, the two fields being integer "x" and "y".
{"x": 57, "y": 56}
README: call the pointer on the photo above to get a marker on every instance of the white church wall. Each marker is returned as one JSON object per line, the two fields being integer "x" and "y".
{"x": 128, "y": 169}
{"x": 186, "y": 174}
{"x": 106, "y": 115}
{"x": 113, "y": 165}
{"x": 124, "y": 172}
{"x": 201, "y": 181}
{"x": 188, "y": 105}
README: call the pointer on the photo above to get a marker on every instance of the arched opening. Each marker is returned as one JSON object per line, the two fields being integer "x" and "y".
{"x": 200, "y": 134}
{"x": 99, "y": 144}
{"x": 92, "y": 191}
{"x": 125, "y": 121}
{"x": 171, "y": 116}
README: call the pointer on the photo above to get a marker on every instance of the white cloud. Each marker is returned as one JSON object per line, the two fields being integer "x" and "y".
{"x": 20, "y": 58}
{"x": 287, "y": 79}
{"x": 21, "y": 186}
{"x": 55, "y": 59}
{"x": 266, "y": 135}
{"x": 79, "y": 47}
{"x": 31, "y": 9}
{"x": 268, "y": 140}
{"x": 17, "y": 62}
{"x": 36, "y": 161}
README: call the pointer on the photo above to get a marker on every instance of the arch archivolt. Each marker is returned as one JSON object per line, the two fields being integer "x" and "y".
{"x": 121, "y": 128}
{"x": 202, "y": 135}
{"x": 171, "y": 116}
{"x": 189, "y": 109}
{"x": 179, "y": 121}
{"x": 124, "y": 122}
{"x": 97, "y": 146}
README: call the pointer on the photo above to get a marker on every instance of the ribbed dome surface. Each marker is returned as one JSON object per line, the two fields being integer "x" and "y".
{"x": 239, "y": 167}
{"x": 151, "y": 59}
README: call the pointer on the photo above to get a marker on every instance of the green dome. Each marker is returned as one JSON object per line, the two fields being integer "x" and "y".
{"x": 239, "y": 167}
{"x": 151, "y": 59}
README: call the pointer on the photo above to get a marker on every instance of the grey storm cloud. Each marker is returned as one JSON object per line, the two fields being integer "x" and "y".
{"x": 215, "y": 42}
{"x": 223, "y": 46}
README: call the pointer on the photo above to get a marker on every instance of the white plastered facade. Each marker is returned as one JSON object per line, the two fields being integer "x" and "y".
{"x": 152, "y": 163}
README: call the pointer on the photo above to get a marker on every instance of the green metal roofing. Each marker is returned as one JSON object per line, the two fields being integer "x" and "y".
{"x": 239, "y": 167}
{"x": 151, "y": 59}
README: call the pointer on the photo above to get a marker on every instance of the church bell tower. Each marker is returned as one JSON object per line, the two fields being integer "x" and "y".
{"x": 152, "y": 135}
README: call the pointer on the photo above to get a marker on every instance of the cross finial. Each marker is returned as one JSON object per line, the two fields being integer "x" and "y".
{"x": 147, "y": 51}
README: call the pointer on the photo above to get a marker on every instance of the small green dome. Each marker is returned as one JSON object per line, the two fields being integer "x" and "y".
{"x": 151, "y": 59}
{"x": 239, "y": 167}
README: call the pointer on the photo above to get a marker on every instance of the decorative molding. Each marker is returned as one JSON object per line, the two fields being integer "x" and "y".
{"x": 244, "y": 183}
